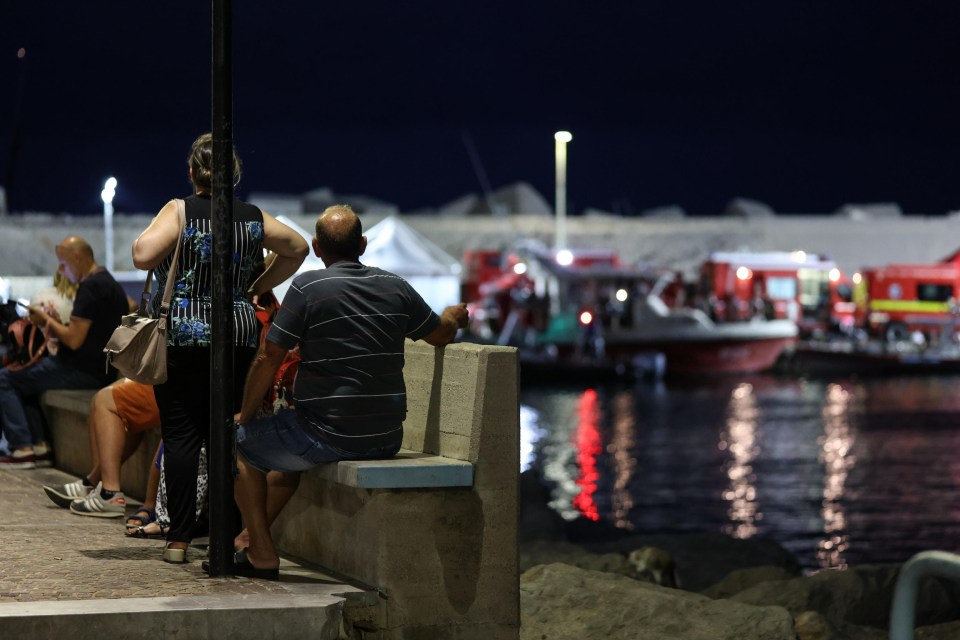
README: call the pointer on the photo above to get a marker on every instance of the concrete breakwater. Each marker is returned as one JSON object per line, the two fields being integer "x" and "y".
{"x": 675, "y": 243}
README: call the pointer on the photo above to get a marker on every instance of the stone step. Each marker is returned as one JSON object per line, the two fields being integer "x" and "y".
{"x": 259, "y": 616}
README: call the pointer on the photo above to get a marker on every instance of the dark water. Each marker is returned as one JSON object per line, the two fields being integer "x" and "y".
{"x": 837, "y": 471}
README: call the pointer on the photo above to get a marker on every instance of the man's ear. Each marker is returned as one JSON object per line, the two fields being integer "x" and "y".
{"x": 363, "y": 245}
{"x": 316, "y": 247}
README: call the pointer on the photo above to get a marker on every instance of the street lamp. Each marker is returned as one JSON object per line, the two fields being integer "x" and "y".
{"x": 561, "y": 138}
{"x": 109, "y": 190}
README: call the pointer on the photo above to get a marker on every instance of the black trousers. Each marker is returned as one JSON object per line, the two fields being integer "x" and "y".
{"x": 184, "y": 404}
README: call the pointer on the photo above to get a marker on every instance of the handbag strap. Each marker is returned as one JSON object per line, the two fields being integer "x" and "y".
{"x": 171, "y": 274}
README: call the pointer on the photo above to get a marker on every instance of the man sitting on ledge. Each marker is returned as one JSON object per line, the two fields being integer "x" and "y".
{"x": 350, "y": 321}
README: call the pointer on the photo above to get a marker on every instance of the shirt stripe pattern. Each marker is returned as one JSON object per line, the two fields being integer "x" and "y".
{"x": 351, "y": 321}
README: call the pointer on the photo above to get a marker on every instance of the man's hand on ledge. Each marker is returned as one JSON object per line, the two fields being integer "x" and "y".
{"x": 451, "y": 319}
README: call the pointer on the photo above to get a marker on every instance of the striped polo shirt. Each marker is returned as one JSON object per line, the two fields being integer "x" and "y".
{"x": 350, "y": 321}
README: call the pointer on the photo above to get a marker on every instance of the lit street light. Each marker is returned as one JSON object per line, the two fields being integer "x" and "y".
{"x": 561, "y": 138}
{"x": 109, "y": 190}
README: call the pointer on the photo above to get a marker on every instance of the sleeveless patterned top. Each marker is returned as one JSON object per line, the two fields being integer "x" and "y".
{"x": 190, "y": 305}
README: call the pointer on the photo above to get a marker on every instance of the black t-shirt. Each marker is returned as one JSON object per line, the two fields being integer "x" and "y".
{"x": 101, "y": 300}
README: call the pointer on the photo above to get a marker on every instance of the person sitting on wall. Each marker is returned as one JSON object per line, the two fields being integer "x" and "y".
{"x": 119, "y": 416}
{"x": 350, "y": 322}
{"x": 99, "y": 304}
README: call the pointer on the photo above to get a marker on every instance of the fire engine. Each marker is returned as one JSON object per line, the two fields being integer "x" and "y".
{"x": 804, "y": 287}
{"x": 896, "y": 300}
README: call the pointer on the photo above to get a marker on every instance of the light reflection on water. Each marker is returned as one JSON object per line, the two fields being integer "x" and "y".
{"x": 838, "y": 472}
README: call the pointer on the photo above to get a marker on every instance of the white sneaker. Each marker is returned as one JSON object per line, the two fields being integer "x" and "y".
{"x": 43, "y": 456}
{"x": 63, "y": 495}
{"x": 94, "y": 505}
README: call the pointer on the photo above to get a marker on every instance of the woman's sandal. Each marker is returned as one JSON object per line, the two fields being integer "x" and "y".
{"x": 174, "y": 555}
{"x": 141, "y": 532}
{"x": 143, "y": 515}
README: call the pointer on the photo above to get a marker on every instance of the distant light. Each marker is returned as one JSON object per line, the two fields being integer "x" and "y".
{"x": 622, "y": 295}
{"x": 857, "y": 278}
{"x": 563, "y": 136}
{"x": 520, "y": 268}
{"x": 743, "y": 273}
{"x": 565, "y": 257}
{"x": 586, "y": 317}
{"x": 834, "y": 275}
{"x": 799, "y": 256}
{"x": 109, "y": 190}
{"x": 21, "y": 53}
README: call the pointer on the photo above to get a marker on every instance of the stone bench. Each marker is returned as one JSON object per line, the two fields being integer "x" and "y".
{"x": 433, "y": 531}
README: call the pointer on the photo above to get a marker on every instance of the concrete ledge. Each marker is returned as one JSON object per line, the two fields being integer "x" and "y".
{"x": 236, "y": 616}
{"x": 408, "y": 470}
{"x": 77, "y": 400}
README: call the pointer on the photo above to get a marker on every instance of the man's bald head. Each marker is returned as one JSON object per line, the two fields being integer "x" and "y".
{"x": 75, "y": 256}
{"x": 339, "y": 234}
{"x": 76, "y": 244}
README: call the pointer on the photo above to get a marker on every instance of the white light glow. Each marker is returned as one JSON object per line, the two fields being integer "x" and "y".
{"x": 109, "y": 190}
{"x": 565, "y": 257}
{"x": 586, "y": 317}
{"x": 622, "y": 295}
{"x": 563, "y": 136}
{"x": 520, "y": 268}
{"x": 834, "y": 275}
{"x": 799, "y": 256}
{"x": 743, "y": 273}
{"x": 857, "y": 278}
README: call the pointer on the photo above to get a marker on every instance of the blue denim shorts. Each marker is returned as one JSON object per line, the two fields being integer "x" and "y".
{"x": 279, "y": 443}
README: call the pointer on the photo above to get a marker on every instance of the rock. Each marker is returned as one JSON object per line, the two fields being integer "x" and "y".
{"x": 858, "y": 595}
{"x": 546, "y": 552}
{"x": 704, "y": 559}
{"x": 560, "y": 602}
{"x": 742, "y": 579}
{"x": 946, "y": 631}
{"x": 811, "y": 625}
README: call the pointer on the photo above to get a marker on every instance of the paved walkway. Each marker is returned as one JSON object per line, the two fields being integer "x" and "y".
{"x": 48, "y": 553}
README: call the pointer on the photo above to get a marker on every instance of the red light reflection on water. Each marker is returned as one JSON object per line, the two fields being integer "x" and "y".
{"x": 588, "y": 445}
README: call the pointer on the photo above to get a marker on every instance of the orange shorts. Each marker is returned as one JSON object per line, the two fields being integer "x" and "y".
{"x": 136, "y": 405}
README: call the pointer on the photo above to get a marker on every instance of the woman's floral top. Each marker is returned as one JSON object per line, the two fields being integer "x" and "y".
{"x": 190, "y": 305}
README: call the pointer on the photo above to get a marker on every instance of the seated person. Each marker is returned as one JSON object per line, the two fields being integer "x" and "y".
{"x": 79, "y": 363}
{"x": 350, "y": 322}
{"x": 119, "y": 416}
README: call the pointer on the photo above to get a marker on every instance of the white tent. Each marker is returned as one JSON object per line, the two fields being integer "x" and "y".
{"x": 312, "y": 262}
{"x": 394, "y": 246}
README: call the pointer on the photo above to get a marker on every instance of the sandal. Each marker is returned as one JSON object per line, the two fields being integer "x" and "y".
{"x": 143, "y": 516}
{"x": 141, "y": 531}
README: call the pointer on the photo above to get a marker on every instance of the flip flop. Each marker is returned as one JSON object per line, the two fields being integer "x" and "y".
{"x": 242, "y": 567}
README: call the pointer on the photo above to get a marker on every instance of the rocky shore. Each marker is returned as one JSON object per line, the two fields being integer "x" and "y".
{"x": 582, "y": 580}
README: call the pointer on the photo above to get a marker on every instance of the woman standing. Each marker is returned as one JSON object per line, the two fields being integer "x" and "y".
{"x": 184, "y": 400}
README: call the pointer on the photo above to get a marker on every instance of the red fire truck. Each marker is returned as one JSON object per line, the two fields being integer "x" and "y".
{"x": 897, "y": 299}
{"x": 807, "y": 288}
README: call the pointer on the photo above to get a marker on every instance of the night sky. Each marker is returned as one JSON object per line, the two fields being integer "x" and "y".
{"x": 804, "y": 105}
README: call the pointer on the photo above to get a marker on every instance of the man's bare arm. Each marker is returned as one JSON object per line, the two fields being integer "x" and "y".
{"x": 451, "y": 319}
{"x": 259, "y": 379}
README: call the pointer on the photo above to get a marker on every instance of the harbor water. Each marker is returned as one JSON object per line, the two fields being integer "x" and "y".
{"x": 844, "y": 471}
